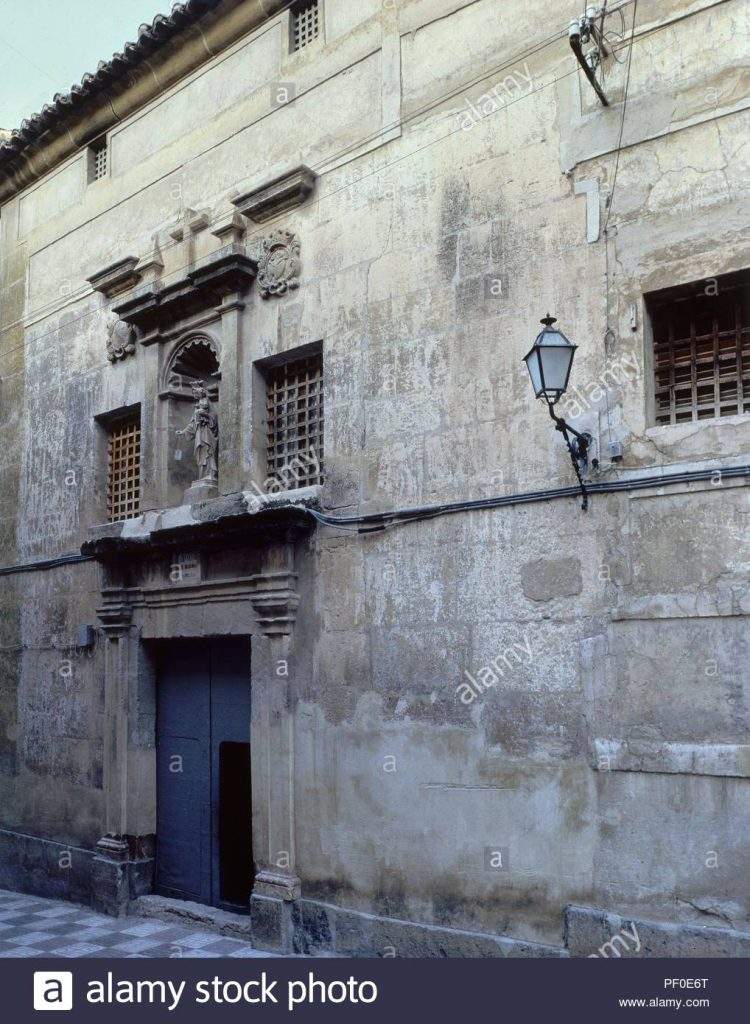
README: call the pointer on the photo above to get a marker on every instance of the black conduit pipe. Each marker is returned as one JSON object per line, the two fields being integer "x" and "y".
{"x": 381, "y": 520}
{"x": 376, "y": 521}
{"x": 575, "y": 45}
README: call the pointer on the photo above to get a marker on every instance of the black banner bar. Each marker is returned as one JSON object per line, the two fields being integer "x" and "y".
{"x": 389, "y": 990}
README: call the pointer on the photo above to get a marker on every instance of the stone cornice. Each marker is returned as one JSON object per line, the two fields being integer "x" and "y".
{"x": 117, "y": 277}
{"x": 282, "y": 193}
{"x": 219, "y": 523}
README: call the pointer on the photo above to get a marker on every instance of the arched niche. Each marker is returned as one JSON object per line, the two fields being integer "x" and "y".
{"x": 194, "y": 359}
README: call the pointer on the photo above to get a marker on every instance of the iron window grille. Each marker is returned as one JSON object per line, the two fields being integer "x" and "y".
{"x": 294, "y": 417}
{"x": 305, "y": 24}
{"x": 98, "y": 160}
{"x": 124, "y": 470}
{"x": 701, "y": 335}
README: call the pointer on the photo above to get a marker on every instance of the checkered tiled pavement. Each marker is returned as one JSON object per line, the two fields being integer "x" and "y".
{"x": 31, "y": 926}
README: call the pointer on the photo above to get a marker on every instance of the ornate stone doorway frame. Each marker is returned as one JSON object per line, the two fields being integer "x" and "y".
{"x": 141, "y": 602}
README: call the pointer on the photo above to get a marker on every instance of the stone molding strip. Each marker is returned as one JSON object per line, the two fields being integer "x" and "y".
{"x": 727, "y": 760}
{"x": 730, "y": 599}
{"x": 592, "y": 932}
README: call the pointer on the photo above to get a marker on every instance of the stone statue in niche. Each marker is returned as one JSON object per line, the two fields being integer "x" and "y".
{"x": 204, "y": 429}
{"x": 279, "y": 264}
{"x": 120, "y": 339}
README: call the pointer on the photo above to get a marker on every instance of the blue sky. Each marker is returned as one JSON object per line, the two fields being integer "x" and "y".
{"x": 47, "y": 45}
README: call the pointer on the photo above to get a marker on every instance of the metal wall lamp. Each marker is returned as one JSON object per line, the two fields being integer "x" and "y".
{"x": 549, "y": 363}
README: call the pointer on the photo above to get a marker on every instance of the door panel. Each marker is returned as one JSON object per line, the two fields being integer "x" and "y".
{"x": 204, "y": 822}
{"x": 183, "y": 778}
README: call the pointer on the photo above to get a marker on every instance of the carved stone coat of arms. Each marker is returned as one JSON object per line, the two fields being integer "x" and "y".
{"x": 279, "y": 264}
{"x": 120, "y": 339}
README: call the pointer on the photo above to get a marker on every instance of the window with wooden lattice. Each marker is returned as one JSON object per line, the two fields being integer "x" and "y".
{"x": 294, "y": 421}
{"x": 305, "y": 23}
{"x": 124, "y": 469}
{"x": 701, "y": 349}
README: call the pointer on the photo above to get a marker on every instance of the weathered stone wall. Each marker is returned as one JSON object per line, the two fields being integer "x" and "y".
{"x": 607, "y": 756}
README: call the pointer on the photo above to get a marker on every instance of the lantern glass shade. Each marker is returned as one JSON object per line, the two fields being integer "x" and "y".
{"x": 549, "y": 362}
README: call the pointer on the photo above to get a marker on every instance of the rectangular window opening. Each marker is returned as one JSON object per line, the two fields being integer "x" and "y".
{"x": 124, "y": 469}
{"x": 305, "y": 23}
{"x": 294, "y": 422}
{"x": 701, "y": 349}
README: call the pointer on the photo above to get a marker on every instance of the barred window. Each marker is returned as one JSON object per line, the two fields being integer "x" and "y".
{"x": 124, "y": 469}
{"x": 294, "y": 417}
{"x": 98, "y": 160}
{"x": 305, "y": 24}
{"x": 701, "y": 335}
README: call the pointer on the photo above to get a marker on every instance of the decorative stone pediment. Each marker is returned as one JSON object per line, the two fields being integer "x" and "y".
{"x": 279, "y": 265}
{"x": 278, "y": 195}
{"x": 142, "y": 590}
{"x": 158, "y": 306}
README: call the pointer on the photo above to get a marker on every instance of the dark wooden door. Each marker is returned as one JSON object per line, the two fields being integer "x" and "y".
{"x": 204, "y": 818}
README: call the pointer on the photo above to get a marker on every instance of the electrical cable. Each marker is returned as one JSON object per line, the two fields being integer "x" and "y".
{"x": 375, "y": 522}
{"x": 44, "y": 563}
{"x": 611, "y": 198}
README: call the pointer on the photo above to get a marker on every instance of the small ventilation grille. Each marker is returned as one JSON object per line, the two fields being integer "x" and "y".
{"x": 305, "y": 24}
{"x": 98, "y": 160}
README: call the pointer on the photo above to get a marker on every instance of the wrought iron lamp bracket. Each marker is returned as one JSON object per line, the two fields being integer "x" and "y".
{"x": 578, "y": 448}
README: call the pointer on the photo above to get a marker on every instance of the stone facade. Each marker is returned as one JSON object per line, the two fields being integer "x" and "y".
{"x": 504, "y": 731}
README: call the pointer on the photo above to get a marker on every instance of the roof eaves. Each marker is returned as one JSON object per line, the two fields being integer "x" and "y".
{"x": 150, "y": 38}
